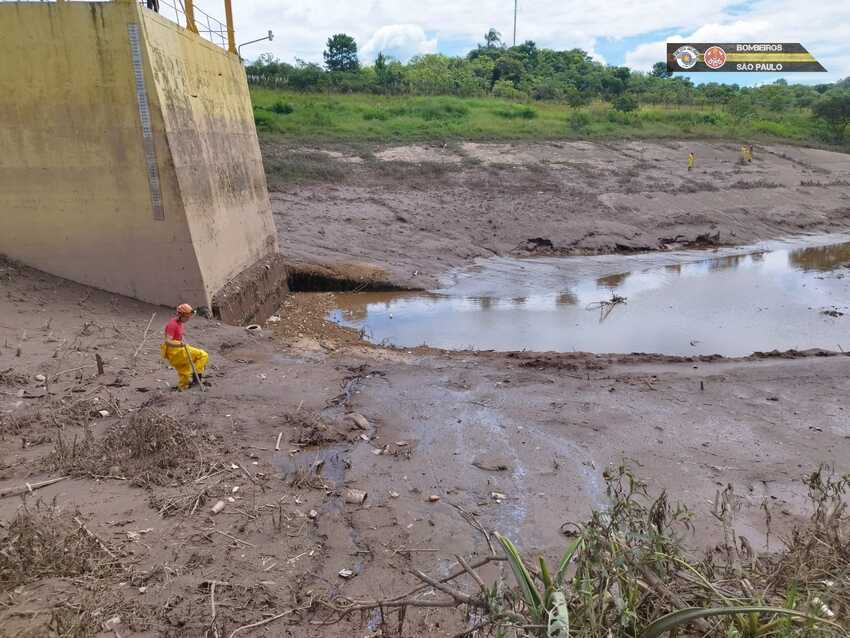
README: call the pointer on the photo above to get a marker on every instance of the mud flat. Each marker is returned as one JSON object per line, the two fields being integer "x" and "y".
{"x": 409, "y": 214}
{"x": 438, "y": 433}
{"x": 539, "y": 429}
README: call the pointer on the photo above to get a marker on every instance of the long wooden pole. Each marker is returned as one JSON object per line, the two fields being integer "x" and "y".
{"x": 231, "y": 37}
{"x": 190, "y": 16}
{"x": 198, "y": 379}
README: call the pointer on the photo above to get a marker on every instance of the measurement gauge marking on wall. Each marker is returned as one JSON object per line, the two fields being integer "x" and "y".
{"x": 145, "y": 118}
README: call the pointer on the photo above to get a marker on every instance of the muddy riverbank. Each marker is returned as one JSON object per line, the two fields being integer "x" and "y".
{"x": 443, "y": 433}
{"x": 275, "y": 439}
{"x": 406, "y": 215}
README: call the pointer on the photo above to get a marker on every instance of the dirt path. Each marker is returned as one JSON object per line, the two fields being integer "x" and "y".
{"x": 538, "y": 430}
{"x": 408, "y": 214}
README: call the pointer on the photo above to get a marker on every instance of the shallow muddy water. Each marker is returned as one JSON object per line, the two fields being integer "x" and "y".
{"x": 732, "y": 302}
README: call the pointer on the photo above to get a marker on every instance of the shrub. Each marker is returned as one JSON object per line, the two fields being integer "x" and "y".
{"x": 579, "y": 120}
{"x": 282, "y": 108}
{"x": 517, "y": 112}
{"x": 263, "y": 120}
{"x": 834, "y": 110}
{"x": 376, "y": 114}
{"x": 625, "y": 103}
{"x": 506, "y": 89}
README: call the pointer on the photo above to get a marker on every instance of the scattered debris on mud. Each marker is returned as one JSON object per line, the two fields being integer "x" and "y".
{"x": 147, "y": 448}
{"x": 325, "y": 487}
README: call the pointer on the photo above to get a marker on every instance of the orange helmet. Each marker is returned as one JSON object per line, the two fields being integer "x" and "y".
{"x": 184, "y": 310}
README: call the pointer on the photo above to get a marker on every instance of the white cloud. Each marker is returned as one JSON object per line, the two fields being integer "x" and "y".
{"x": 302, "y": 27}
{"x": 401, "y": 41}
{"x": 551, "y": 23}
{"x": 643, "y": 56}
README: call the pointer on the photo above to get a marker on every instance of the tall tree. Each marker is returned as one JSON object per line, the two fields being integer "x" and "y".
{"x": 659, "y": 70}
{"x": 341, "y": 53}
{"x": 389, "y": 73}
{"x": 492, "y": 39}
{"x": 834, "y": 109}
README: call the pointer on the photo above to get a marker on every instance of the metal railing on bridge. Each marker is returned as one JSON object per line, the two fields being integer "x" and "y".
{"x": 210, "y": 27}
{"x": 189, "y": 16}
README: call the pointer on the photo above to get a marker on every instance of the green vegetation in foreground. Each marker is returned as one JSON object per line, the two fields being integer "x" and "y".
{"x": 376, "y": 118}
{"x": 627, "y": 572}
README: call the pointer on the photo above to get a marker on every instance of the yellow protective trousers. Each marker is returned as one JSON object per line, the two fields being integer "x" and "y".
{"x": 176, "y": 356}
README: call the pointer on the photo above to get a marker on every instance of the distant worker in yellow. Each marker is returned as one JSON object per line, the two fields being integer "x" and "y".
{"x": 181, "y": 355}
{"x": 744, "y": 153}
{"x": 750, "y": 153}
{"x": 691, "y": 159}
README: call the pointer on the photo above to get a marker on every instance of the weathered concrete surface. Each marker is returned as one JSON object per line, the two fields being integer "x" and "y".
{"x": 255, "y": 294}
{"x": 208, "y": 121}
{"x": 75, "y": 196}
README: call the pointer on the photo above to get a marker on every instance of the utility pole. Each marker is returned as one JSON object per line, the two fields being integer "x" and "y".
{"x": 515, "y": 10}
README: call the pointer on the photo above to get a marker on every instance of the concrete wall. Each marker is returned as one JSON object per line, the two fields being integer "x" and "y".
{"x": 202, "y": 93}
{"x": 76, "y": 197}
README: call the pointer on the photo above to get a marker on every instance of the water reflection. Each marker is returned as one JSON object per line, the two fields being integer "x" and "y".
{"x": 729, "y": 262}
{"x": 732, "y": 304}
{"x": 612, "y": 281}
{"x": 487, "y": 302}
{"x": 566, "y": 298}
{"x": 821, "y": 258}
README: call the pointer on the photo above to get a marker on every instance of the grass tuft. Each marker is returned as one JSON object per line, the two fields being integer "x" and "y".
{"x": 43, "y": 541}
{"x": 149, "y": 448}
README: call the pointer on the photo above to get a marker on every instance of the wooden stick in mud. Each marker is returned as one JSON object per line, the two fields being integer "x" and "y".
{"x": 144, "y": 337}
{"x": 29, "y": 487}
{"x": 95, "y": 538}
{"x": 260, "y": 623}
{"x": 194, "y": 371}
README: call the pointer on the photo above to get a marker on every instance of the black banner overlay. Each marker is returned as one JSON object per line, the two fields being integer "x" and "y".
{"x": 740, "y": 57}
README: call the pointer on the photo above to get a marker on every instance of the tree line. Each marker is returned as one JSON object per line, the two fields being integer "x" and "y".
{"x": 528, "y": 72}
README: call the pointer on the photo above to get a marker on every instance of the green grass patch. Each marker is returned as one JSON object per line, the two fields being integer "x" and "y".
{"x": 516, "y": 111}
{"x": 355, "y": 118}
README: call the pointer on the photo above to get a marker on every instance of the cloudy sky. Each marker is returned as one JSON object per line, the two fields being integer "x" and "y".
{"x": 630, "y": 33}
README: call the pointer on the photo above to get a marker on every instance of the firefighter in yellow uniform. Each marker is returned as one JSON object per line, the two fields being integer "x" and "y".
{"x": 177, "y": 353}
{"x": 691, "y": 160}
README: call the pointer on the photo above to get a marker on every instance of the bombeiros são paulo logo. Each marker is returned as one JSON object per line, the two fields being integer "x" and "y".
{"x": 686, "y": 57}
{"x": 747, "y": 57}
{"x": 714, "y": 57}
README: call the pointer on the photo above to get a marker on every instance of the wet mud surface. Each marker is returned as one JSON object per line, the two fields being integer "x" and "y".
{"x": 438, "y": 433}
{"x": 536, "y": 430}
{"x": 412, "y": 213}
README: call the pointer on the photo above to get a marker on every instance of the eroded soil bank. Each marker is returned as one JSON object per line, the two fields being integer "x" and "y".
{"x": 409, "y": 214}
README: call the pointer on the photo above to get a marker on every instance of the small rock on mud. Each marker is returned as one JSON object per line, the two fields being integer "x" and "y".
{"x": 358, "y": 420}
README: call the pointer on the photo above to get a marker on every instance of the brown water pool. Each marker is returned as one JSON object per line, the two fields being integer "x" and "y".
{"x": 776, "y": 295}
